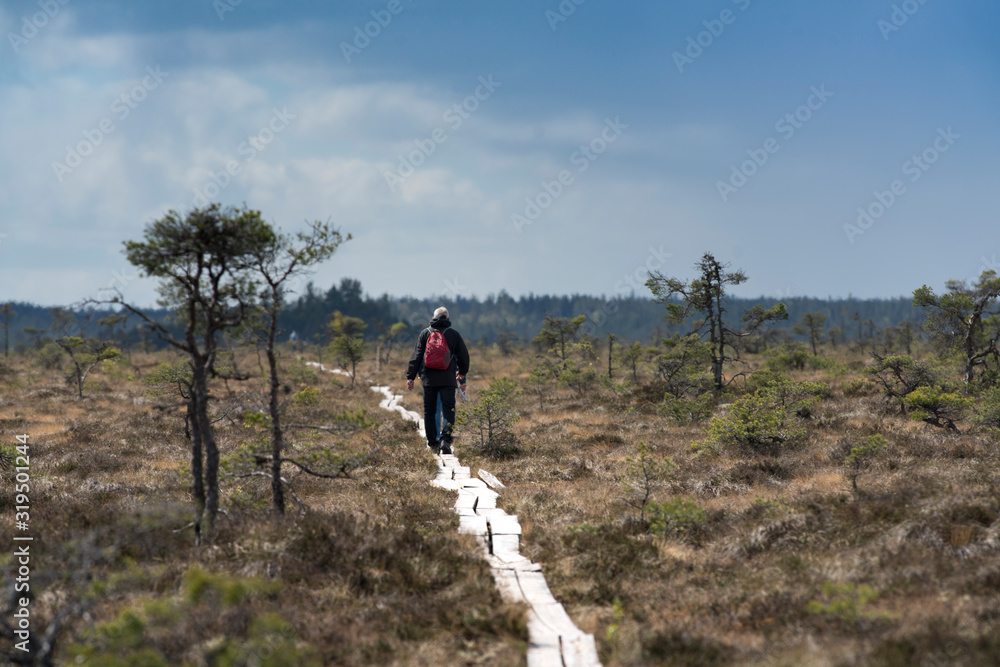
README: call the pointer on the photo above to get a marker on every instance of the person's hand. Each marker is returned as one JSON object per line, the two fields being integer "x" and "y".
{"x": 460, "y": 377}
{"x": 409, "y": 384}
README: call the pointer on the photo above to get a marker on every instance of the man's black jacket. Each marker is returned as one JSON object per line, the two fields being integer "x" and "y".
{"x": 459, "y": 357}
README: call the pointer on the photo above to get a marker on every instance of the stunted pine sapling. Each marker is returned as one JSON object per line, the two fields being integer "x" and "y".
{"x": 703, "y": 300}
{"x": 644, "y": 472}
{"x": 85, "y": 354}
{"x": 492, "y": 415}
{"x": 861, "y": 457}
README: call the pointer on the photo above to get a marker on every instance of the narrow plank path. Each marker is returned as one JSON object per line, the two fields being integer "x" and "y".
{"x": 554, "y": 641}
{"x": 337, "y": 371}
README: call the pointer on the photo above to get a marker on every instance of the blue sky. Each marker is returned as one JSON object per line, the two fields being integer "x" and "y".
{"x": 590, "y": 141}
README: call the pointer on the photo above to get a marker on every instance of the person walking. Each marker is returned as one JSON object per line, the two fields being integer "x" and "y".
{"x": 441, "y": 359}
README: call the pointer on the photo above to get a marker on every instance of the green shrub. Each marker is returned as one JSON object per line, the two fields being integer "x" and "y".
{"x": 857, "y": 386}
{"x": 986, "y": 413}
{"x": 491, "y": 416}
{"x": 846, "y": 602}
{"x": 790, "y": 356}
{"x": 899, "y": 375}
{"x": 50, "y": 356}
{"x": 686, "y": 410}
{"x": 937, "y": 406}
{"x": 644, "y": 472}
{"x": 8, "y": 456}
{"x": 581, "y": 380}
{"x": 307, "y": 397}
{"x": 676, "y": 516}
{"x": 860, "y": 457}
{"x": 795, "y": 355}
{"x": 200, "y": 623}
{"x": 786, "y": 388}
{"x": 683, "y": 365}
{"x": 768, "y": 419}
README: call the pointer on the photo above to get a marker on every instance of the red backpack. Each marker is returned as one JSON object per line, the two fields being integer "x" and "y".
{"x": 437, "y": 356}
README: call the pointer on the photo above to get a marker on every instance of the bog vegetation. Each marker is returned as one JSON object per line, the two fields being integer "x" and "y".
{"x": 717, "y": 495}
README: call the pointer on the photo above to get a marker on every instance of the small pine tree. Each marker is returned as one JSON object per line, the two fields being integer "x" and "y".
{"x": 85, "y": 354}
{"x": 559, "y": 334}
{"x": 491, "y": 416}
{"x": 644, "y": 472}
{"x": 704, "y": 299}
{"x": 966, "y": 319}
{"x": 348, "y": 344}
{"x": 860, "y": 458}
{"x": 630, "y": 357}
{"x": 812, "y": 324}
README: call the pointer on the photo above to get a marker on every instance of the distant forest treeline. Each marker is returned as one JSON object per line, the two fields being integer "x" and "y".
{"x": 481, "y": 320}
{"x": 636, "y": 318}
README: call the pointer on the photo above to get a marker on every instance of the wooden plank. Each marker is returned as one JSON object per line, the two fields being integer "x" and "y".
{"x": 504, "y": 525}
{"x": 544, "y": 656}
{"x": 449, "y": 484}
{"x": 580, "y": 651}
{"x": 551, "y": 618}
{"x": 507, "y": 585}
{"x": 473, "y": 483}
{"x": 513, "y": 561}
{"x": 541, "y": 636}
{"x": 491, "y": 480}
{"x": 472, "y": 524}
{"x": 536, "y": 591}
{"x": 483, "y": 492}
{"x": 486, "y": 503}
{"x": 506, "y": 545}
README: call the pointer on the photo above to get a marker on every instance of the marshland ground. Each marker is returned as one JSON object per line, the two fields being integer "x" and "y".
{"x": 670, "y": 545}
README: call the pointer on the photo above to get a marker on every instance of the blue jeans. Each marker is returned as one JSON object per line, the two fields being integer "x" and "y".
{"x": 439, "y": 429}
{"x": 437, "y": 415}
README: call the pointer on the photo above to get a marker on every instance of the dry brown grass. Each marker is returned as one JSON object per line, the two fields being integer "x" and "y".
{"x": 375, "y": 573}
{"x": 923, "y": 533}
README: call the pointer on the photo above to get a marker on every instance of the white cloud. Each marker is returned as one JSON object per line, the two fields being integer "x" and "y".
{"x": 327, "y": 161}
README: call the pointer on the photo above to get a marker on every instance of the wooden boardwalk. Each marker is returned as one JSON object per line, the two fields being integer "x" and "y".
{"x": 554, "y": 641}
{"x": 336, "y": 371}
